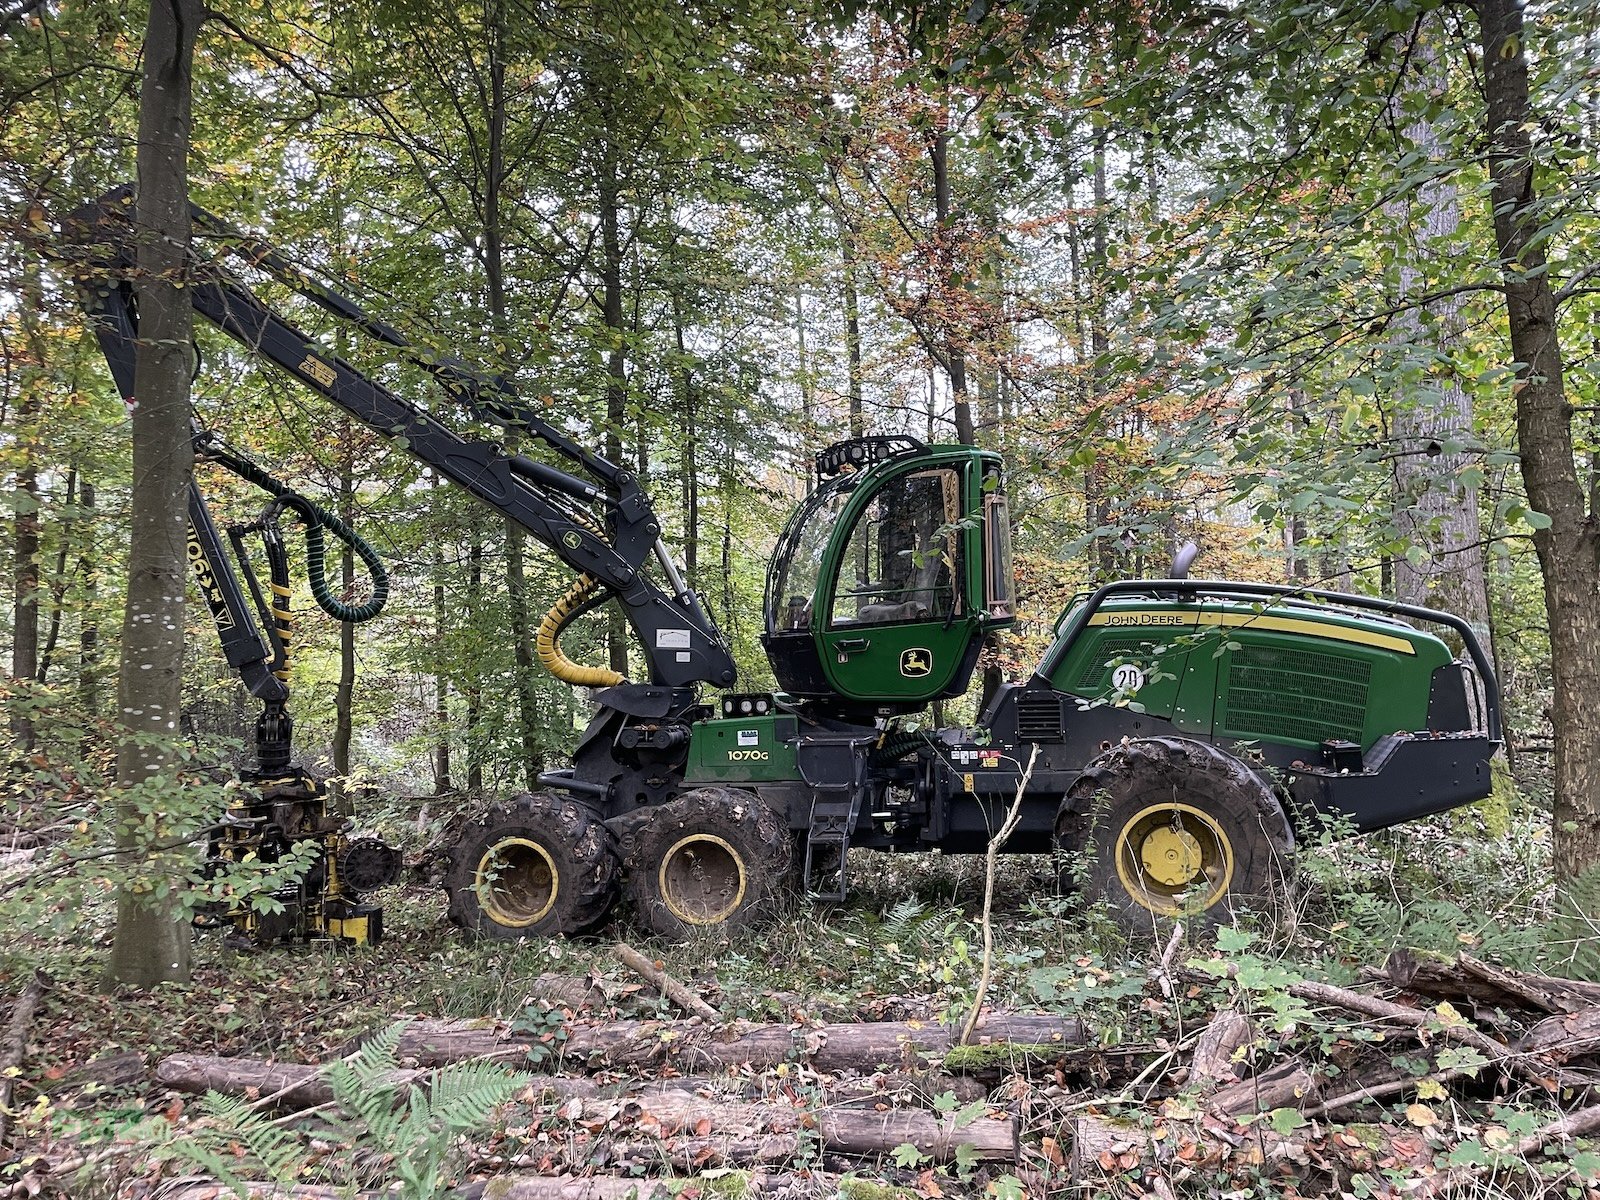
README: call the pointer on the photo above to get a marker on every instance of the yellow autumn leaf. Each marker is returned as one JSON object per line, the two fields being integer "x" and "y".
{"x": 1448, "y": 1016}
{"x": 1421, "y": 1115}
{"x": 1431, "y": 1089}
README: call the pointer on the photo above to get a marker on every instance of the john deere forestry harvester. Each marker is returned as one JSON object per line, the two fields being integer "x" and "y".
{"x": 1178, "y": 734}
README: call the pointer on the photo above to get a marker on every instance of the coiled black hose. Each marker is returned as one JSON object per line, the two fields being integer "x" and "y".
{"x": 897, "y": 745}
{"x": 316, "y": 519}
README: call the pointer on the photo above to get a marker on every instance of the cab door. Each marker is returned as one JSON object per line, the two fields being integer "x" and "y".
{"x": 898, "y": 623}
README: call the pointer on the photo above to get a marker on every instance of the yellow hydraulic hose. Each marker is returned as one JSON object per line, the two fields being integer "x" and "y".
{"x": 283, "y": 621}
{"x": 549, "y": 652}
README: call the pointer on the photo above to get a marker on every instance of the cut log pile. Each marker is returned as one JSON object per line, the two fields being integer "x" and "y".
{"x": 1410, "y": 1076}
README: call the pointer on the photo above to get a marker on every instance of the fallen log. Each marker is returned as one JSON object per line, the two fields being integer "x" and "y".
{"x": 1213, "y": 1059}
{"x": 610, "y": 1187}
{"x": 14, "y": 1046}
{"x": 649, "y": 1111}
{"x": 193, "y": 1188}
{"x": 567, "y": 1187}
{"x": 649, "y": 1046}
{"x": 1287, "y": 1085}
{"x": 1585, "y": 1122}
{"x": 690, "y": 1154}
{"x": 576, "y": 992}
{"x": 1498, "y": 1053}
{"x": 1471, "y": 980}
{"x": 1566, "y": 1037}
{"x": 298, "y": 1085}
{"x": 123, "y": 1069}
{"x": 693, "y": 1132}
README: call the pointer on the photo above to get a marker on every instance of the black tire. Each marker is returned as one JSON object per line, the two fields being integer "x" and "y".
{"x": 534, "y": 866}
{"x": 712, "y": 860}
{"x": 1167, "y": 827}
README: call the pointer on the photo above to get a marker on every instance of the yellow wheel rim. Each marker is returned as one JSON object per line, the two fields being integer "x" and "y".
{"x": 517, "y": 882}
{"x": 1174, "y": 858}
{"x": 702, "y": 879}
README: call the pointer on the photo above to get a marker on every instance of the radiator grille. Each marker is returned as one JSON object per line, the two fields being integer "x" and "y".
{"x": 1108, "y": 649}
{"x": 1297, "y": 694}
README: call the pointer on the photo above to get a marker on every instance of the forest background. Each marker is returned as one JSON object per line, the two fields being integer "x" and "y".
{"x": 1310, "y": 283}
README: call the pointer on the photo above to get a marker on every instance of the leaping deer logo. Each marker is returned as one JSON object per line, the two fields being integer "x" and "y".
{"x": 916, "y": 662}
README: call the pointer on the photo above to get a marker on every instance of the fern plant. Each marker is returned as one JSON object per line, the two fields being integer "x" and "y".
{"x": 231, "y": 1142}
{"x": 907, "y": 923}
{"x": 414, "y": 1128}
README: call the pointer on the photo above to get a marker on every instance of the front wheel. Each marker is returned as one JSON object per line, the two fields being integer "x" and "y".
{"x": 534, "y": 866}
{"x": 712, "y": 859}
{"x": 1167, "y": 827}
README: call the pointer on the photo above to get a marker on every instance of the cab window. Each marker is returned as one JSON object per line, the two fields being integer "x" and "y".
{"x": 903, "y": 560}
{"x": 999, "y": 583}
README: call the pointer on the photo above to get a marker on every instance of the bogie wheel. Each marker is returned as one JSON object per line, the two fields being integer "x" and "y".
{"x": 713, "y": 859}
{"x": 1168, "y": 827}
{"x": 533, "y": 866}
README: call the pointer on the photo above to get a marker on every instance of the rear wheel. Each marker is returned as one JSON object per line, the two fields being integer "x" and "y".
{"x": 1167, "y": 827}
{"x": 534, "y": 866}
{"x": 713, "y": 859}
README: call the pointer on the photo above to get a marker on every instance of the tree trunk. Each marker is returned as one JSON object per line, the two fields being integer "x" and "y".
{"x": 151, "y": 943}
{"x": 442, "y": 782}
{"x": 344, "y": 694}
{"x": 474, "y": 669}
{"x": 852, "y": 325}
{"x": 88, "y": 623}
{"x": 616, "y": 362}
{"x": 955, "y": 356}
{"x": 499, "y": 320}
{"x": 1434, "y": 512}
{"x": 1097, "y": 500}
{"x": 58, "y": 578}
{"x": 25, "y": 501}
{"x": 1567, "y": 547}
{"x": 691, "y": 447}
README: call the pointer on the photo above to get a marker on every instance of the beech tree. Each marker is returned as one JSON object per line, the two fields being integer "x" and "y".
{"x": 152, "y": 941}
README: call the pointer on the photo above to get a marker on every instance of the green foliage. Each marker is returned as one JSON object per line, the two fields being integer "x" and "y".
{"x": 402, "y": 1131}
{"x": 414, "y": 1127}
{"x": 235, "y": 1142}
{"x": 1570, "y": 935}
{"x": 545, "y": 1028}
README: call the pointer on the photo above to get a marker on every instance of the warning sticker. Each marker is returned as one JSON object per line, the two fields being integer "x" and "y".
{"x": 749, "y": 737}
{"x": 673, "y": 639}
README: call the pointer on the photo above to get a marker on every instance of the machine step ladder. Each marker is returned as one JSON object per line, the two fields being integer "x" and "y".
{"x": 836, "y": 771}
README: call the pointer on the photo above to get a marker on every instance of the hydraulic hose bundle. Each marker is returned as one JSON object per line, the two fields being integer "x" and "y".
{"x": 580, "y": 598}
{"x": 315, "y": 519}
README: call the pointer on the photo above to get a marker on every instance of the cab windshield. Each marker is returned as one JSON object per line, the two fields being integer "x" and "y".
{"x": 797, "y": 562}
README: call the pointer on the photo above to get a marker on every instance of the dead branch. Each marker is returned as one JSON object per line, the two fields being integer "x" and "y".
{"x": 990, "y": 860}
{"x": 669, "y": 987}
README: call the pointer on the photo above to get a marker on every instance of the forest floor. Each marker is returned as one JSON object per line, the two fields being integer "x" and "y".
{"x": 1294, "y": 1054}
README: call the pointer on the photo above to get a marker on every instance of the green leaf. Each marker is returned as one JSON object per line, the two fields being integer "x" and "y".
{"x": 1286, "y": 1120}
{"x": 966, "y": 1159}
{"x": 907, "y": 1156}
{"x": 1233, "y": 940}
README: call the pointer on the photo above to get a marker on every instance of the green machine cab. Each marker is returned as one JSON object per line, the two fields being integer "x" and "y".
{"x": 888, "y": 576}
